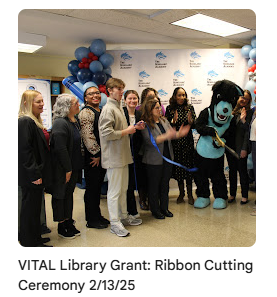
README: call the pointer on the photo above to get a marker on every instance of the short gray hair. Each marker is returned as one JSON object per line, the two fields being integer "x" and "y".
{"x": 62, "y": 106}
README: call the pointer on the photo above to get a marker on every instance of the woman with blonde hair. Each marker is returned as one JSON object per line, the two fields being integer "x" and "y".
{"x": 34, "y": 171}
{"x": 238, "y": 139}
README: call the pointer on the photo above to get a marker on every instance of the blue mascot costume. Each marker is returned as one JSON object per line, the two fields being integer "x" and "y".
{"x": 211, "y": 124}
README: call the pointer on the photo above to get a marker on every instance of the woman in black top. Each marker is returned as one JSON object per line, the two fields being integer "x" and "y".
{"x": 238, "y": 139}
{"x": 34, "y": 169}
{"x": 180, "y": 112}
{"x": 65, "y": 146}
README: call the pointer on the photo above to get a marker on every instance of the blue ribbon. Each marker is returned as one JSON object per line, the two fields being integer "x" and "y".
{"x": 166, "y": 159}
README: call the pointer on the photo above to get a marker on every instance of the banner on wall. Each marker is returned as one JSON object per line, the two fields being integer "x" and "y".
{"x": 196, "y": 70}
{"x": 42, "y": 86}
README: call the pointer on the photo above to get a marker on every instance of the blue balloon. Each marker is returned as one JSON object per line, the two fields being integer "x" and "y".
{"x": 89, "y": 84}
{"x": 99, "y": 78}
{"x": 251, "y": 63}
{"x": 106, "y": 60}
{"x": 72, "y": 78}
{"x": 253, "y": 42}
{"x": 81, "y": 52}
{"x": 250, "y": 86}
{"x": 252, "y": 54}
{"x": 103, "y": 100}
{"x": 245, "y": 50}
{"x": 108, "y": 70}
{"x": 73, "y": 67}
{"x": 95, "y": 66}
{"x": 98, "y": 47}
{"x": 84, "y": 75}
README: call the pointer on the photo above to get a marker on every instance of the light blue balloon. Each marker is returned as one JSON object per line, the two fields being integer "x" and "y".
{"x": 103, "y": 100}
{"x": 253, "y": 42}
{"x": 95, "y": 66}
{"x": 89, "y": 84}
{"x": 106, "y": 60}
{"x": 252, "y": 54}
{"x": 250, "y": 86}
{"x": 108, "y": 70}
{"x": 98, "y": 47}
{"x": 251, "y": 63}
{"x": 245, "y": 50}
{"x": 81, "y": 52}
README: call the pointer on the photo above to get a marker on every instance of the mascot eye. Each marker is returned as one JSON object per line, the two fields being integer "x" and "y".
{"x": 218, "y": 96}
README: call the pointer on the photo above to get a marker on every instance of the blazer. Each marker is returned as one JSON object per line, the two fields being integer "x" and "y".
{"x": 33, "y": 154}
{"x": 137, "y": 137}
{"x": 150, "y": 154}
{"x": 61, "y": 145}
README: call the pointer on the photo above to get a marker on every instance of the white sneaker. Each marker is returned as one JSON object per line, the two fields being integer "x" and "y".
{"x": 119, "y": 230}
{"x": 131, "y": 221}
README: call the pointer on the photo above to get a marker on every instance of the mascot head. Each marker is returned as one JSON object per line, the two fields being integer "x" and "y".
{"x": 224, "y": 99}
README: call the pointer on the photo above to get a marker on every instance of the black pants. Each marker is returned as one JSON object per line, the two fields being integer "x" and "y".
{"x": 213, "y": 169}
{"x": 158, "y": 177}
{"x": 236, "y": 166}
{"x": 94, "y": 177}
{"x": 62, "y": 199}
{"x": 131, "y": 200}
{"x": 30, "y": 216}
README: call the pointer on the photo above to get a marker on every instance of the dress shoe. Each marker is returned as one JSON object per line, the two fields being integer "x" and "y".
{"x": 244, "y": 202}
{"x": 104, "y": 220}
{"x": 45, "y": 240}
{"x": 96, "y": 225}
{"x": 167, "y": 213}
{"x": 158, "y": 215}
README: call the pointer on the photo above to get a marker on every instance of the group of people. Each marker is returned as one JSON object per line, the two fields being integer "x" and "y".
{"x": 132, "y": 146}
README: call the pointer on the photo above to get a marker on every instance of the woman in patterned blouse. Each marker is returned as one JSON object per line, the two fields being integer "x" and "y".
{"x": 180, "y": 112}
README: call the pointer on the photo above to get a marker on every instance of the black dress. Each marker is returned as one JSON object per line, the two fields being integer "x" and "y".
{"x": 183, "y": 148}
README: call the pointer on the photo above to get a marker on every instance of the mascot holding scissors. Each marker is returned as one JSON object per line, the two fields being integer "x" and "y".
{"x": 211, "y": 124}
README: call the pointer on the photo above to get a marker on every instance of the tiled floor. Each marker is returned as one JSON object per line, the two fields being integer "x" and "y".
{"x": 190, "y": 227}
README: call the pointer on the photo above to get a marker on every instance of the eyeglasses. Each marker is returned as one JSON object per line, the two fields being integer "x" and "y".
{"x": 158, "y": 108}
{"x": 92, "y": 93}
{"x": 75, "y": 103}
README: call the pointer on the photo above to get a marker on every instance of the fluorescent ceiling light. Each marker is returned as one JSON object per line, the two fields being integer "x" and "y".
{"x": 29, "y": 43}
{"x": 28, "y": 48}
{"x": 210, "y": 25}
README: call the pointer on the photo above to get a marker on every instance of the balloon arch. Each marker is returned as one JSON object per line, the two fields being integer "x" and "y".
{"x": 90, "y": 69}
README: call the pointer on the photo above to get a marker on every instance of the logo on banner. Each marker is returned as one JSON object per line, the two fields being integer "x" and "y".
{"x": 196, "y": 93}
{"x": 31, "y": 87}
{"x": 162, "y": 92}
{"x": 142, "y": 83}
{"x": 159, "y": 61}
{"x": 227, "y": 60}
{"x": 125, "y": 61}
{"x": 211, "y": 76}
{"x": 143, "y": 74}
{"x": 178, "y": 82}
{"x": 194, "y": 56}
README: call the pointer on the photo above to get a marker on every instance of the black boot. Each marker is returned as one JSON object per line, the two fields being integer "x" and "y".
{"x": 181, "y": 186}
{"x": 190, "y": 197}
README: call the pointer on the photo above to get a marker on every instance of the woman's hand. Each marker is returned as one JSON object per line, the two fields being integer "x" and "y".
{"x": 243, "y": 115}
{"x": 183, "y": 131}
{"x": 68, "y": 176}
{"x": 243, "y": 154}
{"x": 94, "y": 162}
{"x": 140, "y": 125}
{"x": 37, "y": 182}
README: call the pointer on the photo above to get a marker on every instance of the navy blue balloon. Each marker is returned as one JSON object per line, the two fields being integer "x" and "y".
{"x": 106, "y": 60}
{"x": 81, "y": 52}
{"x": 108, "y": 77}
{"x": 98, "y": 47}
{"x": 72, "y": 78}
{"x": 84, "y": 75}
{"x": 73, "y": 67}
{"x": 99, "y": 78}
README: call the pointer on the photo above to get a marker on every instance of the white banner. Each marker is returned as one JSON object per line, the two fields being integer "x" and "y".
{"x": 194, "y": 70}
{"x": 42, "y": 86}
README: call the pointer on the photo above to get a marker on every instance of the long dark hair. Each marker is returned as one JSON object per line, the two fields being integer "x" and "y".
{"x": 146, "y": 111}
{"x": 173, "y": 100}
